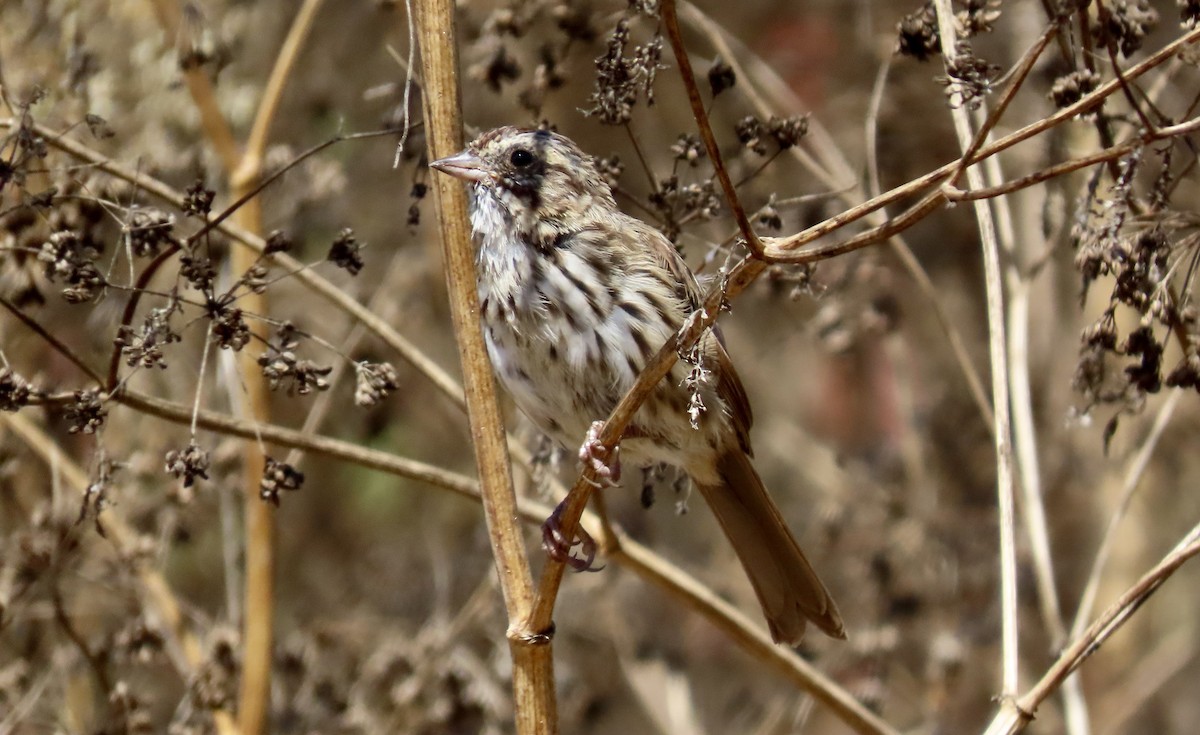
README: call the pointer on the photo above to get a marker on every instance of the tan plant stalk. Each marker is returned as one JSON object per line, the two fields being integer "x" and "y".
{"x": 534, "y": 695}
{"x": 997, "y": 348}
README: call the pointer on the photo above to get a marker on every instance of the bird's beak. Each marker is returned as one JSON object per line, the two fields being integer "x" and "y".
{"x": 466, "y": 166}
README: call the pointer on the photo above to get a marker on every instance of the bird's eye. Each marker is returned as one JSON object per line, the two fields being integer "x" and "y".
{"x": 521, "y": 158}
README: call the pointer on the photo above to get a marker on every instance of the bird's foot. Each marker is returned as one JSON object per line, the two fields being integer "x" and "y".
{"x": 558, "y": 546}
{"x": 605, "y": 462}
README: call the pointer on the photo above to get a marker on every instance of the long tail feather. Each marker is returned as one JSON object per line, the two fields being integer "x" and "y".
{"x": 787, "y": 587}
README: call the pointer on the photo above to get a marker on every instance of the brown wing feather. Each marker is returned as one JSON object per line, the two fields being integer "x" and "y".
{"x": 733, "y": 393}
{"x": 729, "y": 386}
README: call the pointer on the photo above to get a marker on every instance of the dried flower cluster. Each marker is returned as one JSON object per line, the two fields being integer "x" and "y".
{"x": 149, "y": 231}
{"x": 757, "y": 136}
{"x": 968, "y": 78}
{"x": 1189, "y": 12}
{"x": 279, "y": 476}
{"x": 624, "y": 75}
{"x": 145, "y": 346}
{"x": 283, "y": 369}
{"x": 374, "y": 382}
{"x": 918, "y": 34}
{"x": 15, "y": 391}
{"x": 70, "y": 258}
{"x": 721, "y": 77}
{"x": 188, "y": 464}
{"x": 86, "y": 413}
{"x": 560, "y": 26}
{"x": 345, "y": 252}
{"x": 1138, "y": 255}
{"x": 1125, "y": 23}
{"x": 1070, "y": 88}
{"x": 679, "y": 203}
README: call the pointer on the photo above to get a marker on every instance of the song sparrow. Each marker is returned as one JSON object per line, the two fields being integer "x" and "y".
{"x": 575, "y": 298}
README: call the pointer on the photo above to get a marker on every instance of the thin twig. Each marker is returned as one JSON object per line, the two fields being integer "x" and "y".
{"x": 325, "y": 401}
{"x": 871, "y": 128}
{"x": 53, "y": 341}
{"x": 750, "y": 636}
{"x": 1133, "y": 479}
{"x": 249, "y": 167}
{"x": 1016, "y": 714}
{"x": 200, "y": 86}
{"x": 916, "y": 271}
{"x": 672, "y": 579}
{"x": 94, "y": 660}
{"x": 1105, "y": 18}
{"x": 997, "y": 348}
{"x": 139, "y": 287}
{"x": 1006, "y": 97}
{"x": 671, "y": 23}
{"x": 264, "y": 182}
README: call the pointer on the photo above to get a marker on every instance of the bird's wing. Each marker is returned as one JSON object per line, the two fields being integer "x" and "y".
{"x": 729, "y": 385}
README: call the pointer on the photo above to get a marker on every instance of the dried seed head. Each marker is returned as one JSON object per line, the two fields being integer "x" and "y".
{"x": 621, "y": 80}
{"x": 721, "y": 77}
{"x": 497, "y": 70}
{"x": 918, "y": 34}
{"x": 1189, "y": 13}
{"x": 70, "y": 257}
{"x": 751, "y": 133}
{"x": 977, "y": 16}
{"x": 611, "y": 169}
{"x": 374, "y": 382}
{"x": 689, "y": 149}
{"x": 1070, "y": 88}
{"x": 15, "y": 391}
{"x": 768, "y": 216}
{"x": 144, "y": 346}
{"x": 345, "y": 252}
{"x": 278, "y": 476}
{"x": 282, "y": 368}
{"x": 199, "y": 199}
{"x": 188, "y": 463}
{"x": 87, "y": 413}
{"x": 1125, "y": 25}
{"x": 968, "y": 78}
{"x": 1187, "y": 373}
{"x": 199, "y": 271}
{"x": 788, "y": 131}
{"x": 149, "y": 230}
{"x": 278, "y": 242}
{"x": 229, "y": 329}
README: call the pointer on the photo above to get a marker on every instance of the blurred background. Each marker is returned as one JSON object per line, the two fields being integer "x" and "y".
{"x": 867, "y": 431}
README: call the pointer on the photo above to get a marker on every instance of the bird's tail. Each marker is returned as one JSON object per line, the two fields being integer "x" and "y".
{"x": 787, "y": 587}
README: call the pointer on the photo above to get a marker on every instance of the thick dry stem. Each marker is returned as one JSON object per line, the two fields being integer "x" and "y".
{"x": 534, "y": 696}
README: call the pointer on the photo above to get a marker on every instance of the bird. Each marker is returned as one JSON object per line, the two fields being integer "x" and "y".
{"x": 575, "y": 298}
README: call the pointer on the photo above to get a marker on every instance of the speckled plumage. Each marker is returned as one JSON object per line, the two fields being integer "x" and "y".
{"x": 575, "y": 297}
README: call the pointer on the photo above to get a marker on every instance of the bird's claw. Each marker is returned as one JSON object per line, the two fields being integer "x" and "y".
{"x": 558, "y": 546}
{"x": 605, "y": 462}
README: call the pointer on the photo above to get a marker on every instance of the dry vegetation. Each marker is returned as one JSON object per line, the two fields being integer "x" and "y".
{"x": 236, "y": 479}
